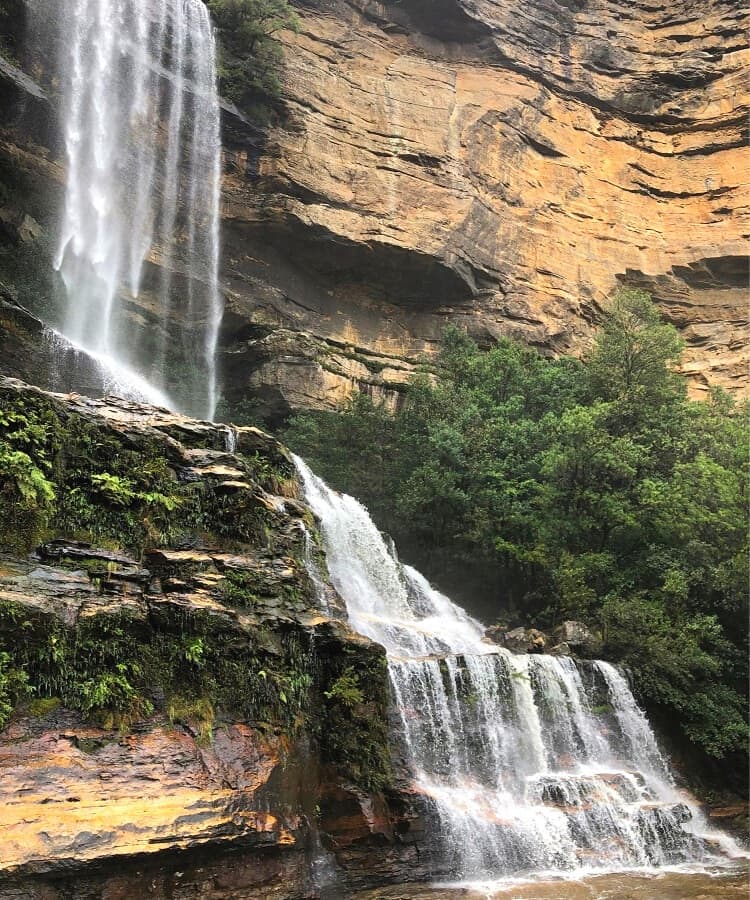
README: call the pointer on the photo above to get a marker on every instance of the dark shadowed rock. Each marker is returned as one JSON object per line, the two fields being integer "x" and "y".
{"x": 578, "y": 637}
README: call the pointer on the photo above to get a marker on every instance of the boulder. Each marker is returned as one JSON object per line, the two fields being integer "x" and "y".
{"x": 519, "y": 640}
{"x": 578, "y": 637}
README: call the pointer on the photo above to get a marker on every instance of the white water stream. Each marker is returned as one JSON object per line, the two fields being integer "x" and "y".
{"x": 529, "y": 763}
{"x": 142, "y": 139}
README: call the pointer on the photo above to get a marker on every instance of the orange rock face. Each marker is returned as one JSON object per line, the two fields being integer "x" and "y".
{"x": 82, "y": 793}
{"x": 499, "y": 164}
{"x": 503, "y": 165}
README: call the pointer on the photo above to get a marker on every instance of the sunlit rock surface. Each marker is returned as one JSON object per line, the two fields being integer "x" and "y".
{"x": 503, "y": 166}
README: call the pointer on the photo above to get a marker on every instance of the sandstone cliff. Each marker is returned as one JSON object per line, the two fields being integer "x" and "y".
{"x": 502, "y": 166}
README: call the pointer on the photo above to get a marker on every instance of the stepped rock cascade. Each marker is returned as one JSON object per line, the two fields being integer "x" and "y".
{"x": 528, "y": 763}
{"x": 142, "y": 138}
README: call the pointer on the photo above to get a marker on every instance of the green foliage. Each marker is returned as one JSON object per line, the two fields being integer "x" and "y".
{"x": 13, "y": 686}
{"x": 194, "y": 651}
{"x": 26, "y": 494}
{"x": 562, "y": 489}
{"x": 685, "y": 664}
{"x": 635, "y": 352}
{"x": 113, "y": 489}
{"x": 116, "y": 669}
{"x": 353, "y": 731}
{"x": 95, "y": 485}
{"x": 345, "y": 690}
{"x": 251, "y": 55}
{"x": 111, "y": 697}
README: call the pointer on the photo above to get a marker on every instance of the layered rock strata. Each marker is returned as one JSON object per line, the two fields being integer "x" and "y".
{"x": 173, "y": 706}
{"x": 501, "y": 166}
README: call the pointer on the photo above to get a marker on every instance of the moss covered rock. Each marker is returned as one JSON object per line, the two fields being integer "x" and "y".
{"x": 168, "y": 594}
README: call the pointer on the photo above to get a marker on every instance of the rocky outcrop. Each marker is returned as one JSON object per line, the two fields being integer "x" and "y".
{"x": 37, "y": 354}
{"x": 519, "y": 640}
{"x": 576, "y": 637}
{"x": 570, "y": 638}
{"x": 170, "y": 708}
{"x": 502, "y": 166}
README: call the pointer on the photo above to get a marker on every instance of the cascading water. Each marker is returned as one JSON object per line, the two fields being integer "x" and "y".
{"x": 529, "y": 763}
{"x": 143, "y": 145}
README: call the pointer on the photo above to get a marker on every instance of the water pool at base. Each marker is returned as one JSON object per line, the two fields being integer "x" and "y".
{"x": 731, "y": 882}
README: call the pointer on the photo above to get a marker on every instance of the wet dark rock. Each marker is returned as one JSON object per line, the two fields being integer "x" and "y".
{"x": 571, "y": 638}
{"x": 60, "y": 549}
{"x": 31, "y": 352}
{"x": 578, "y": 637}
{"x": 519, "y": 640}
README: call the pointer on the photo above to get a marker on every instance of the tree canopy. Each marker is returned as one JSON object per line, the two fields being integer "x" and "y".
{"x": 556, "y": 489}
{"x": 251, "y": 56}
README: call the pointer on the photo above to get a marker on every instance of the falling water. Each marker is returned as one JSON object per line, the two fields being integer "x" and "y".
{"x": 142, "y": 138}
{"x": 529, "y": 763}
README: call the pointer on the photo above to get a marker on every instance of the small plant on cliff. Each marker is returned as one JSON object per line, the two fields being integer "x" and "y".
{"x": 346, "y": 690}
{"x": 13, "y": 687}
{"x": 26, "y": 495}
{"x": 196, "y": 712}
{"x": 251, "y": 55}
{"x": 114, "y": 489}
{"x": 111, "y": 699}
{"x": 194, "y": 651}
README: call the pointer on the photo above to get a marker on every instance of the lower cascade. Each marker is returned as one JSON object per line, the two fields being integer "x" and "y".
{"x": 525, "y": 763}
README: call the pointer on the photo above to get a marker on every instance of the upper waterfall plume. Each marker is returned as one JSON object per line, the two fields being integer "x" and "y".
{"x": 527, "y": 763}
{"x": 142, "y": 137}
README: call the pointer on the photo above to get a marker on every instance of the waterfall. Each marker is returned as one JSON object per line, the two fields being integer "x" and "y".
{"x": 142, "y": 139}
{"x": 527, "y": 763}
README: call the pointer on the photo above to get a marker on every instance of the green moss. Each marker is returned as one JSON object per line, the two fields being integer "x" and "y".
{"x": 261, "y": 588}
{"x": 43, "y": 706}
{"x": 240, "y": 589}
{"x": 96, "y": 485}
{"x": 13, "y": 686}
{"x": 354, "y": 719}
{"x": 197, "y": 712}
{"x": 116, "y": 668}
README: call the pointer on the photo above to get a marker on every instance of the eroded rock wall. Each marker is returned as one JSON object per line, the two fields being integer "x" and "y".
{"x": 503, "y": 166}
